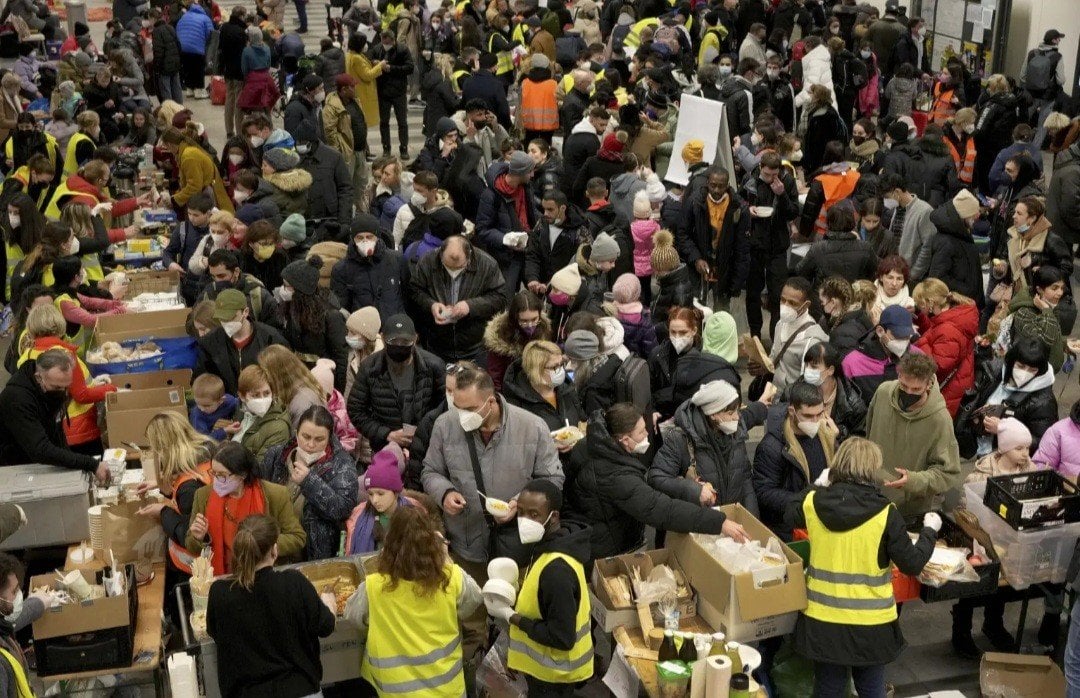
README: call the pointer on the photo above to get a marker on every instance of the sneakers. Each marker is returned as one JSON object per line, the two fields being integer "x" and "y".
{"x": 189, "y": 92}
{"x": 202, "y": 94}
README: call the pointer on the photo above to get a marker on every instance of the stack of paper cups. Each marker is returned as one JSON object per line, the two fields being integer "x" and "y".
{"x": 96, "y": 514}
{"x": 116, "y": 460}
{"x": 717, "y": 676}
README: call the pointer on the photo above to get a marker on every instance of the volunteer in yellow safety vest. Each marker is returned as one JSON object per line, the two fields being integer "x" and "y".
{"x": 36, "y": 178}
{"x": 25, "y": 224}
{"x": 409, "y": 609}
{"x": 31, "y": 142}
{"x": 550, "y": 641}
{"x": 16, "y": 613}
{"x": 857, "y": 535}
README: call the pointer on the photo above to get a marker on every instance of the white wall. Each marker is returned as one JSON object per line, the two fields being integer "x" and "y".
{"x": 1031, "y": 19}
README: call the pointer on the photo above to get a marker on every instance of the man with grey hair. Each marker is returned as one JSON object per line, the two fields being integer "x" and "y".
{"x": 576, "y": 100}
{"x": 36, "y": 399}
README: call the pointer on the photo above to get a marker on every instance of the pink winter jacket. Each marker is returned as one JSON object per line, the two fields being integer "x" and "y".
{"x": 643, "y": 230}
{"x": 343, "y": 426}
{"x": 1059, "y": 448}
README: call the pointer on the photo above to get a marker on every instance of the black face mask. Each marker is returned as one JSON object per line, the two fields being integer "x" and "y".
{"x": 223, "y": 285}
{"x": 907, "y": 400}
{"x": 399, "y": 352}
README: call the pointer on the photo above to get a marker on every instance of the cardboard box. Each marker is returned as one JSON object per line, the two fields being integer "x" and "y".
{"x": 1020, "y": 676}
{"x": 610, "y": 615}
{"x": 173, "y": 378}
{"x": 155, "y": 323}
{"x": 165, "y": 280}
{"x": 55, "y": 499}
{"x": 77, "y": 618}
{"x": 127, "y": 414}
{"x": 749, "y": 606}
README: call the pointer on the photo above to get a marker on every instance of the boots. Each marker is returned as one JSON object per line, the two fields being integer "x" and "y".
{"x": 994, "y": 628}
{"x": 963, "y": 644}
{"x": 1050, "y": 629}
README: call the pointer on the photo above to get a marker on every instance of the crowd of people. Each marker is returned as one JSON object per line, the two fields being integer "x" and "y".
{"x": 394, "y": 349}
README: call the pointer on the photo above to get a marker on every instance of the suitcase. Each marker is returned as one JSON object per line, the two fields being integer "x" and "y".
{"x": 55, "y": 501}
{"x": 217, "y": 90}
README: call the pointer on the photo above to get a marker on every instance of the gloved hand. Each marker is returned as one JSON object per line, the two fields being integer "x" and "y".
{"x": 931, "y": 520}
{"x": 823, "y": 479}
{"x": 498, "y": 608}
{"x": 50, "y": 599}
{"x": 103, "y": 206}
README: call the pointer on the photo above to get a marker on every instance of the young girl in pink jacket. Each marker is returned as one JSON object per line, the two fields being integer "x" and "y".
{"x": 642, "y": 229}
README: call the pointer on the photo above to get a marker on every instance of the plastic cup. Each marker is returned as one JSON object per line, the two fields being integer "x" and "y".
{"x": 77, "y": 585}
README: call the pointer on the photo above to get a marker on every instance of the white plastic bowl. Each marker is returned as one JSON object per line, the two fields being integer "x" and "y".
{"x": 763, "y": 211}
{"x": 504, "y": 590}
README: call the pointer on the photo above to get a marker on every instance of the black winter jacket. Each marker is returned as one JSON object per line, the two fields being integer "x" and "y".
{"x": 432, "y": 160}
{"x": 302, "y": 118}
{"x": 676, "y": 289}
{"x": 900, "y": 159}
{"x": 519, "y": 392}
{"x": 719, "y": 459}
{"x": 481, "y": 287}
{"x": 496, "y": 216}
{"x": 779, "y": 478}
{"x": 1063, "y": 195}
{"x": 394, "y": 80}
{"x": 331, "y": 192}
{"x": 731, "y": 259}
{"x": 219, "y": 356}
{"x": 933, "y": 174}
{"x": 594, "y": 166}
{"x": 577, "y": 148}
{"x": 598, "y": 393}
{"x": 331, "y": 65}
{"x": 822, "y": 126}
{"x": 482, "y": 84}
{"x": 998, "y": 116}
{"x": 838, "y": 253}
{"x": 329, "y": 344}
{"x": 610, "y": 493}
{"x": 846, "y": 334}
{"x": 377, "y": 408}
{"x": 542, "y": 259}
{"x": 378, "y": 280}
{"x": 770, "y": 237}
{"x": 33, "y": 430}
{"x": 573, "y": 109}
{"x": 439, "y": 99}
{"x": 231, "y": 45}
{"x": 166, "y": 48}
{"x": 953, "y": 256}
{"x": 735, "y": 94}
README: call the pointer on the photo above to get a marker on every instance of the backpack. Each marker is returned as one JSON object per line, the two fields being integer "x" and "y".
{"x": 631, "y": 371}
{"x": 857, "y": 75}
{"x": 1041, "y": 69}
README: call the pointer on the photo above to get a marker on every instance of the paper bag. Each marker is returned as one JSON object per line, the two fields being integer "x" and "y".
{"x": 131, "y": 537}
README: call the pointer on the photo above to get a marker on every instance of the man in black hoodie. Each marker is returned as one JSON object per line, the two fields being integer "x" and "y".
{"x": 33, "y": 431}
{"x": 550, "y": 640}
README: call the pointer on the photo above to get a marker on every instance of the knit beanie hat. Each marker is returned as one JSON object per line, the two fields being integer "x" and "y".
{"x": 966, "y": 204}
{"x": 567, "y": 279}
{"x": 521, "y": 163}
{"x": 614, "y": 334}
{"x": 365, "y": 322}
{"x": 82, "y": 60}
{"x": 294, "y": 229}
{"x": 582, "y": 345}
{"x": 279, "y": 138}
{"x": 323, "y": 371}
{"x": 604, "y": 249}
{"x": 720, "y": 337}
{"x": 1012, "y": 433}
{"x": 693, "y": 152}
{"x": 303, "y": 274}
{"x": 714, "y": 396}
{"x": 614, "y": 142}
{"x": 642, "y": 206}
{"x": 383, "y": 473}
{"x": 281, "y": 159}
{"x": 627, "y": 293}
{"x": 664, "y": 257}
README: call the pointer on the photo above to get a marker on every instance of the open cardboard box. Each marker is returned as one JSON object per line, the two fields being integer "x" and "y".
{"x": 154, "y": 323}
{"x": 151, "y": 281}
{"x": 127, "y": 414}
{"x": 748, "y": 606}
{"x": 610, "y": 614}
{"x": 83, "y": 617}
{"x": 171, "y": 378}
{"x": 1020, "y": 676}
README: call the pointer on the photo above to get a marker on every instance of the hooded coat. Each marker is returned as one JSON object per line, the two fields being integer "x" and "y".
{"x": 500, "y": 352}
{"x": 331, "y": 193}
{"x": 998, "y": 116}
{"x": 851, "y": 328}
{"x": 610, "y": 492}
{"x": 949, "y": 339}
{"x": 1028, "y": 320}
{"x": 953, "y": 256}
{"x": 838, "y": 253}
{"x": 719, "y": 459}
{"x": 378, "y": 280}
{"x": 843, "y": 507}
{"x": 519, "y": 391}
{"x": 921, "y": 441}
{"x": 933, "y": 176}
{"x": 582, "y": 143}
{"x": 288, "y": 189}
{"x": 542, "y": 258}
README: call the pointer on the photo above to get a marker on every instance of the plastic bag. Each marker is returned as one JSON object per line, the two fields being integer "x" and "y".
{"x": 948, "y": 565}
{"x": 492, "y": 676}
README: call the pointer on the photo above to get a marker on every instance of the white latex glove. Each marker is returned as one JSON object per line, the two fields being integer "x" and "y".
{"x": 103, "y": 206}
{"x": 329, "y": 600}
{"x": 50, "y": 599}
{"x": 103, "y": 379}
{"x": 931, "y": 520}
{"x": 498, "y": 608}
{"x": 823, "y": 479}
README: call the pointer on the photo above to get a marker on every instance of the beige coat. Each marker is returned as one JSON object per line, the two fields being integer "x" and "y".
{"x": 337, "y": 127}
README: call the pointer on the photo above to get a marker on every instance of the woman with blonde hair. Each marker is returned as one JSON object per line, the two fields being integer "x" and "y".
{"x": 290, "y": 381}
{"x": 537, "y": 382}
{"x": 46, "y": 329}
{"x": 948, "y": 324}
{"x": 413, "y": 583}
{"x": 267, "y": 649}
{"x": 183, "y": 461}
{"x": 851, "y": 625}
{"x": 225, "y": 228}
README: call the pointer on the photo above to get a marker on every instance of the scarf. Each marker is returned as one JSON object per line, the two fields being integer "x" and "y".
{"x": 517, "y": 194}
{"x": 868, "y": 148}
{"x": 363, "y": 536}
{"x": 224, "y": 515}
{"x": 825, "y": 436}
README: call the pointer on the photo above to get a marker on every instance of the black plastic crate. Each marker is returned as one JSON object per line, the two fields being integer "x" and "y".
{"x": 1033, "y": 500}
{"x": 110, "y": 648}
{"x": 989, "y": 573}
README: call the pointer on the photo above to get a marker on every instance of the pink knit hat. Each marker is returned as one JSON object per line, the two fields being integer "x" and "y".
{"x": 323, "y": 370}
{"x": 627, "y": 293}
{"x": 1012, "y": 433}
{"x": 383, "y": 473}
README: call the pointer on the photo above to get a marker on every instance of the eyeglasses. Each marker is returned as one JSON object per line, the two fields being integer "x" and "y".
{"x": 221, "y": 477}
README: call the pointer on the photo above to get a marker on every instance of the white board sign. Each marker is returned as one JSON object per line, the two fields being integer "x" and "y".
{"x": 704, "y": 119}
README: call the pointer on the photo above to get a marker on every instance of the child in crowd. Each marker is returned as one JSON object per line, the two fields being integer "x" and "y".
{"x": 643, "y": 228}
{"x": 366, "y": 528}
{"x": 265, "y": 422}
{"x": 215, "y": 411}
{"x": 335, "y": 403}
{"x": 184, "y": 241}
{"x": 901, "y": 91}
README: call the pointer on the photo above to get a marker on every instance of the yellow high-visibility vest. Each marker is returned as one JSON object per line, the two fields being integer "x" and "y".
{"x": 505, "y": 62}
{"x": 633, "y": 38}
{"x": 22, "y": 685}
{"x": 844, "y": 583}
{"x": 547, "y": 663}
{"x": 414, "y": 641}
{"x": 71, "y": 166}
{"x": 74, "y": 409}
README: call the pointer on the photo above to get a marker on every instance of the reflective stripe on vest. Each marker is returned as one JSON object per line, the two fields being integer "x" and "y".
{"x": 505, "y": 60}
{"x": 458, "y": 75}
{"x": 70, "y": 164}
{"x": 943, "y": 106}
{"x": 633, "y": 38}
{"x": 15, "y": 255}
{"x": 965, "y": 167}
{"x": 547, "y": 663}
{"x": 844, "y": 583}
{"x": 74, "y": 408}
{"x": 22, "y": 685}
{"x": 539, "y": 110}
{"x": 181, "y": 557}
{"x": 52, "y": 211}
{"x": 414, "y": 647}
{"x": 836, "y": 187}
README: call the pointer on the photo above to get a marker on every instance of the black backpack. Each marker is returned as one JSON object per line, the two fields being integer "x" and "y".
{"x": 632, "y": 369}
{"x": 1041, "y": 69}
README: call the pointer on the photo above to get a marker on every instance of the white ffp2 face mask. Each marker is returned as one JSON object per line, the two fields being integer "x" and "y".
{"x": 1021, "y": 376}
{"x": 641, "y": 447}
{"x": 898, "y": 347}
{"x": 809, "y": 428}
{"x": 232, "y": 327}
{"x": 813, "y": 376}
{"x": 258, "y": 406}
{"x": 728, "y": 428}
{"x": 787, "y": 313}
{"x": 530, "y": 531}
{"x": 680, "y": 344}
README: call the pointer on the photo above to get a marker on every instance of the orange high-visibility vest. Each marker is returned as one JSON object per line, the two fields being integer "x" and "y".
{"x": 943, "y": 106}
{"x": 539, "y": 109}
{"x": 837, "y": 187}
{"x": 181, "y": 556}
{"x": 965, "y": 166}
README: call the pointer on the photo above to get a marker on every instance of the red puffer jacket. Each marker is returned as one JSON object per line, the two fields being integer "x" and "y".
{"x": 949, "y": 337}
